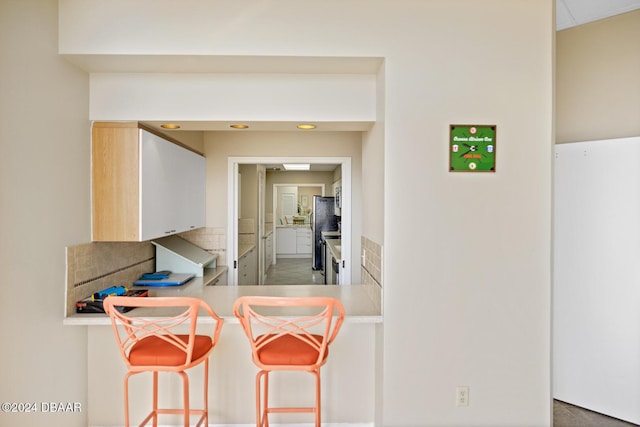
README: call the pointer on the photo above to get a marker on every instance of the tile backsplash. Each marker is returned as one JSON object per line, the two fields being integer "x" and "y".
{"x": 371, "y": 268}
{"x": 247, "y": 232}
{"x": 211, "y": 239}
{"x": 98, "y": 265}
{"x": 371, "y": 253}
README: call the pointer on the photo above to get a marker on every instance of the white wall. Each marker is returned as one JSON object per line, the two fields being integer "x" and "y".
{"x": 235, "y": 97}
{"x": 467, "y": 256}
{"x": 44, "y": 206}
{"x": 596, "y": 293}
{"x": 373, "y": 170}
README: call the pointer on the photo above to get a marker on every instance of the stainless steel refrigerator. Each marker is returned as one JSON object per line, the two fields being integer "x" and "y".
{"x": 323, "y": 219}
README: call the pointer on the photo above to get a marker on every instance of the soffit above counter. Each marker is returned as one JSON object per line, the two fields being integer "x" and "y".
{"x": 108, "y": 63}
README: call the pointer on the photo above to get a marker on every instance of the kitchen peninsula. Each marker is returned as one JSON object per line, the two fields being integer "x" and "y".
{"x": 349, "y": 372}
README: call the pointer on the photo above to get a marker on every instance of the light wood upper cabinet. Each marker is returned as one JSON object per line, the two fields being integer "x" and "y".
{"x": 144, "y": 186}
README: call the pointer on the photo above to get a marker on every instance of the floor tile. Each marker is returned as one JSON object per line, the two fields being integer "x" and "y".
{"x": 567, "y": 415}
{"x": 293, "y": 271}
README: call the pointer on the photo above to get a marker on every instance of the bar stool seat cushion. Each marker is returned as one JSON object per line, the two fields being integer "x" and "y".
{"x": 158, "y": 352}
{"x": 289, "y": 350}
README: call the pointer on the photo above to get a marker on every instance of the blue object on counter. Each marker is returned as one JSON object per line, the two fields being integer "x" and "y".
{"x": 113, "y": 290}
{"x": 158, "y": 275}
{"x": 174, "y": 279}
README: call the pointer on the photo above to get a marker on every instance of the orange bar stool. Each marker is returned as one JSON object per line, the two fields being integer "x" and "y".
{"x": 288, "y": 334}
{"x": 156, "y": 343}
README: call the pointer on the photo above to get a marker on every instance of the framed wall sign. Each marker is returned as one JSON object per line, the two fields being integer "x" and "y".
{"x": 472, "y": 148}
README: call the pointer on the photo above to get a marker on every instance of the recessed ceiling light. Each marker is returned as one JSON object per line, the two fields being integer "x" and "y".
{"x": 239, "y": 126}
{"x": 170, "y": 126}
{"x": 296, "y": 166}
{"x": 306, "y": 127}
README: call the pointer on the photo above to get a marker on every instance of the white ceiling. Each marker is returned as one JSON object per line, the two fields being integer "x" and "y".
{"x": 571, "y": 13}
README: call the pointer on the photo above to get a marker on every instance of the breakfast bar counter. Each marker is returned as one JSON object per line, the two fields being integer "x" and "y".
{"x": 349, "y": 378}
{"x": 360, "y": 302}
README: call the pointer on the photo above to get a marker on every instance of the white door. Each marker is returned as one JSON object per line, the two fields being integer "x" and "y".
{"x": 288, "y": 203}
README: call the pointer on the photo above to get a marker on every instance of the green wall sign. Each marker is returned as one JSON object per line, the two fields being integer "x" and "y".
{"x": 472, "y": 148}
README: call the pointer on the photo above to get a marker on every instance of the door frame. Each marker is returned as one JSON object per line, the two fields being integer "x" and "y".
{"x": 233, "y": 163}
{"x": 275, "y": 203}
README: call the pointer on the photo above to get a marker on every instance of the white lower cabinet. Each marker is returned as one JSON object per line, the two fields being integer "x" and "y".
{"x": 294, "y": 241}
{"x": 303, "y": 241}
{"x": 286, "y": 241}
{"x": 247, "y": 268}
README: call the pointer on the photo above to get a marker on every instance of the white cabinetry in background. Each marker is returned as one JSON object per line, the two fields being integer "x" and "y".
{"x": 286, "y": 240}
{"x": 293, "y": 242}
{"x": 303, "y": 241}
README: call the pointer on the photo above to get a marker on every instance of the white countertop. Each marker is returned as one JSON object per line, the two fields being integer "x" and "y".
{"x": 334, "y": 246}
{"x": 358, "y": 303}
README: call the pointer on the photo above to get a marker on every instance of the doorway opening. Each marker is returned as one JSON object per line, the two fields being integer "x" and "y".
{"x": 234, "y": 201}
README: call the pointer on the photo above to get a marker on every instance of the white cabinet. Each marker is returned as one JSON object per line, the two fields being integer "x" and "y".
{"x": 294, "y": 241}
{"x": 286, "y": 241}
{"x": 247, "y": 268}
{"x": 173, "y": 187}
{"x": 143, "y": 185}
{"x": 303, "y": 241}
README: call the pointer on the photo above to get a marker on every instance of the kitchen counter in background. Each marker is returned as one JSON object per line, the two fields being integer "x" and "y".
{"x": 244, "y": 249}
{"x": 330, "y": 234}
{"x": 333, "y": 245}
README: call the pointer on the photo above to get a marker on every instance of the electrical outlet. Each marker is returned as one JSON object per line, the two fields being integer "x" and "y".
{"x": 462, "y": 396}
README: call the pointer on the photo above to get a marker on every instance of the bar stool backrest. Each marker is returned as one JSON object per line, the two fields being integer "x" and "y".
{"x": 289, "y": 332}
{"x": 174, "y": 324}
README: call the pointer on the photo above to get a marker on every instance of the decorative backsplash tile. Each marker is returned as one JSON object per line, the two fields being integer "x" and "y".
{"x": 210, "y": 239}
{"x": 246, "y": 232}
{"x": 371, "y": 268}
{"x": 246, "y": 226}
{"x": 98, "y": 265}
{"x": 372, "y": 255}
